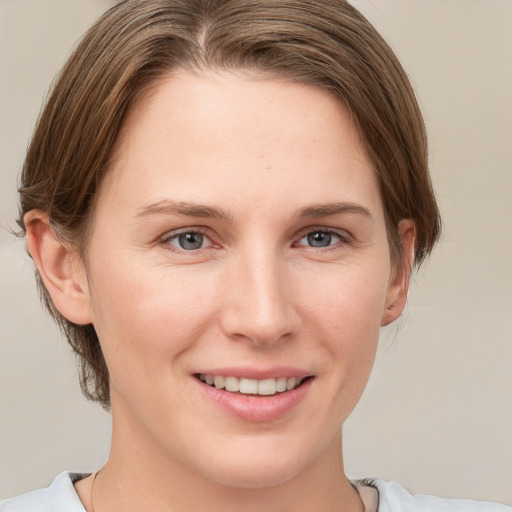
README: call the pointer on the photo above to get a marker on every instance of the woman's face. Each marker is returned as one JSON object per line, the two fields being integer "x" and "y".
{"x": 239, "y": 237}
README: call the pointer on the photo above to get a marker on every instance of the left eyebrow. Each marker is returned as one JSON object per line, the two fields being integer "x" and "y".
{"x": 330, "y": 209}
{"x": 167, "y": 207}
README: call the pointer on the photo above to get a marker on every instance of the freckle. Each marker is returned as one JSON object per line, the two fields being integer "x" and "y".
{"x": 269, "y": 167}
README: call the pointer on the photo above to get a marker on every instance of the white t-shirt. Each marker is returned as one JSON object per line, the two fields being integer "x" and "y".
{"x": 60, "y": 496}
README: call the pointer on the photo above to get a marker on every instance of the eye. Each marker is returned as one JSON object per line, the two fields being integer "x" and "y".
{"x": 188, "y": 240}
{"x": 321, "y": 238}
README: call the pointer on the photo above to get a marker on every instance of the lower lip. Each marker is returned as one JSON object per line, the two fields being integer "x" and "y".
{"x": 254, "y": 408}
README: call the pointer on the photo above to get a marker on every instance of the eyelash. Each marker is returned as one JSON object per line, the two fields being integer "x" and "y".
{"x": 343, "y": 236}
{"x": 168, "y": 238}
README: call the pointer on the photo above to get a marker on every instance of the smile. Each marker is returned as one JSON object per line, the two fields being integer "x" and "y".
{"x": 245, "y": 386}
{"x": 256, "y": 395}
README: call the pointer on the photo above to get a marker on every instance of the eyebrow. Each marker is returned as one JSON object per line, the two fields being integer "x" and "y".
{"x": 168, "y": 207}
{"x": 331, "y": 209}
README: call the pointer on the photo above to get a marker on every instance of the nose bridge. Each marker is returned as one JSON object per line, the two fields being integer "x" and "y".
{"x": 259, "y": 308}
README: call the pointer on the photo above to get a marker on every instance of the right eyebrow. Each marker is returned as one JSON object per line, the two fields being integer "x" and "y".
{"x": 331, "y": 209}
{"x": 167, "y": 207}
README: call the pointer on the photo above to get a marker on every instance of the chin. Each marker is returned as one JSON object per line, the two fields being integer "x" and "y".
{"x": 259, "y": 466}
{"x": 255, "y": 476}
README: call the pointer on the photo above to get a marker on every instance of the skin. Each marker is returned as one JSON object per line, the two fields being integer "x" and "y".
{"x": 255, "y": 294}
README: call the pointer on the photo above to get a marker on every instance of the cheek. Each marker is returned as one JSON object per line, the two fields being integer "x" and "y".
{"x": 349, "y": 299}
{"x": 150, "y": 314}
{"x": 347, "y": 316}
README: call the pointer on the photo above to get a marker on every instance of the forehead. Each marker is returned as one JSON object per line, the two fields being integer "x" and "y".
{"x": 239, "y": 138}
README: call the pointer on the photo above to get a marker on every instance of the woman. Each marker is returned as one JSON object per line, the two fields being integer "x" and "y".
{"x": 224, "y": 201}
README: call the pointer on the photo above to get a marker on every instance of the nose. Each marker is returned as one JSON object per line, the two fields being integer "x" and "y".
{"x": 258, "y": 303}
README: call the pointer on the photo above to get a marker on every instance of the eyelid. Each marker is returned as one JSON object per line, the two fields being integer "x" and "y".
{"x": 173, "y": 234}
{"x": 345, "y": 236}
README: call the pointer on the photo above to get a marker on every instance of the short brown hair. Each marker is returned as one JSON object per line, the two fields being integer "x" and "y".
{"x": 325, "y": 43}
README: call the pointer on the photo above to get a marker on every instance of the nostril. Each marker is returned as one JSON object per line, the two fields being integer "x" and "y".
{"x": 260, "y": 307}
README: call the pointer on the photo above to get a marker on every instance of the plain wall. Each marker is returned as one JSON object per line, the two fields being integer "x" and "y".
{"x": 437, "y": 414}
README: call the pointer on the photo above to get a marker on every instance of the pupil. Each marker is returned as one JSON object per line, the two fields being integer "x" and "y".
{"x": 190, "y": 241}
{"x": 319, "y": 239}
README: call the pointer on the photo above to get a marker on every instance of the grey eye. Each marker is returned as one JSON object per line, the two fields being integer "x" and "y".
{"x": 319, "y": 239}
{"x": 189, "y": 241}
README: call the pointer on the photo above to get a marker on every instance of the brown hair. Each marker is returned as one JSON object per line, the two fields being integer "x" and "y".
{"x": 326, "y": 43}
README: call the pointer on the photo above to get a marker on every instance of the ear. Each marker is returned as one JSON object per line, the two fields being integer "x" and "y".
{"x": 399, "y": 284}
{"x": 60, "y": 268}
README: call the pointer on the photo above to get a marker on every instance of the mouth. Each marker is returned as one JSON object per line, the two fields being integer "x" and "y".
{"x": 254, "y": 387}
{"x": 258, "y": 396}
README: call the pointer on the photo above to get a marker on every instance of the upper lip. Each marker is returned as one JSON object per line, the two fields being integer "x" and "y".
{"x": 256, "y": 373}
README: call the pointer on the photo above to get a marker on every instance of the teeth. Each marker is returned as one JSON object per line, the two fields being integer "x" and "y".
{"x": 248, "y": 386}
{"x": 265, "y": 387}
{"x": 232, "y": 384}
{"x": 281, "y": 384}
{"x": 293, "y": 382}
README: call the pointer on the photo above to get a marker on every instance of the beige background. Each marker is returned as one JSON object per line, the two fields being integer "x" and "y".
{"x": 437, "y": 415}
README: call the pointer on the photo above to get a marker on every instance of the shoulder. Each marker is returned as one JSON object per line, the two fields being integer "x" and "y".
{"x": 394, "y": 498}
{"x": 59, "y": 496}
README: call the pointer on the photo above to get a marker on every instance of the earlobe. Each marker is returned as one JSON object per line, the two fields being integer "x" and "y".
{"x": 399, "y": 284}
{"x": 59, "y": 267}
